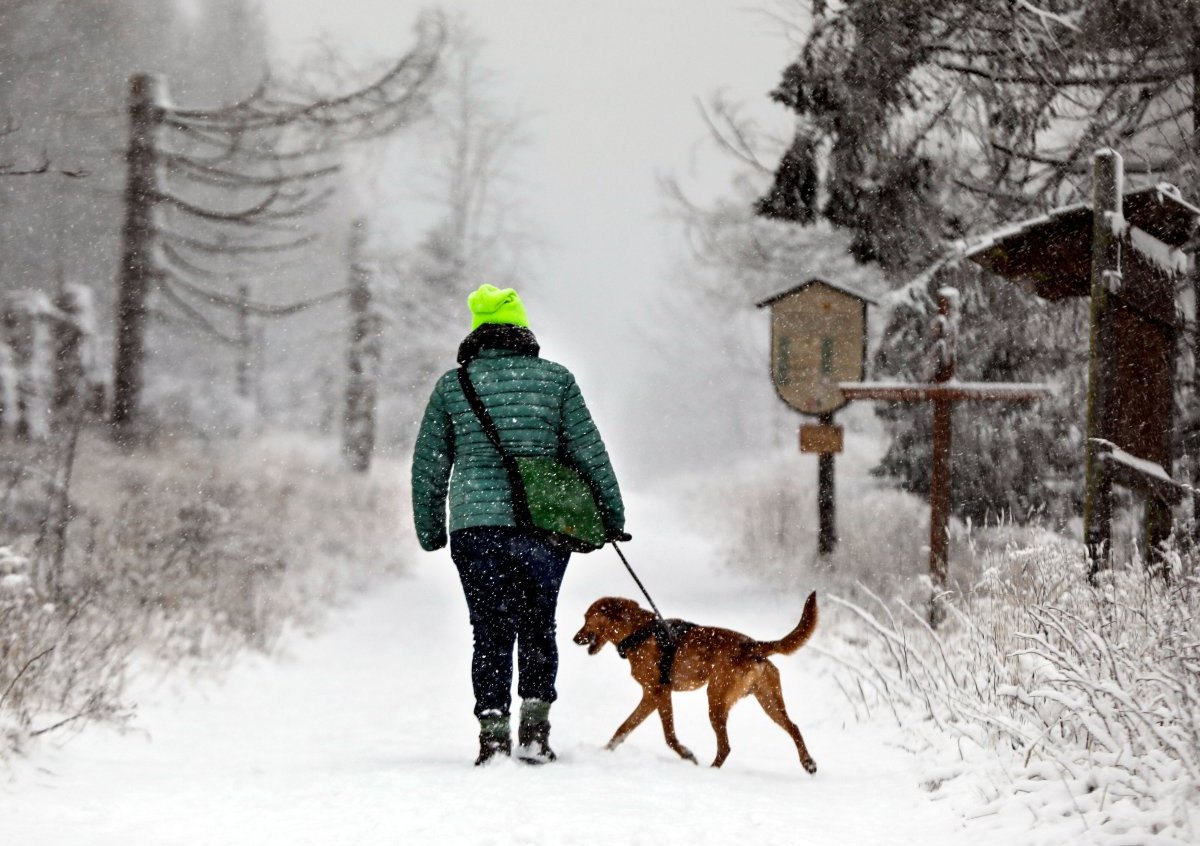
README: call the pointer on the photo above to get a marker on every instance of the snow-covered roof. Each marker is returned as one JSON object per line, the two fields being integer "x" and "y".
{"x": 1138, "y": 473}
{"x": 795, "y": 289}
{"x": 1053, "y": 251}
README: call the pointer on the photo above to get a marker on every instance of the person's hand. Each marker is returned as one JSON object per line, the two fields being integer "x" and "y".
{"x": 433, "y": 544}
{"x": 619, "y": 535}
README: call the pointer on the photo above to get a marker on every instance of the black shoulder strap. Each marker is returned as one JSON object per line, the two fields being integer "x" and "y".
{"x": 515, "y": 482}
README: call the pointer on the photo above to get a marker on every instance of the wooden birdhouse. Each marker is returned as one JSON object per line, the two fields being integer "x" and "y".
{"x": 818, "y": 339}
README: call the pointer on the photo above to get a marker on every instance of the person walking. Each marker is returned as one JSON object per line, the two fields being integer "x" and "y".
{"x": 510, "y": 576}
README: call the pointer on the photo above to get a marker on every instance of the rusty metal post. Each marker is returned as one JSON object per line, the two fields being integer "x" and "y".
{"x": 138, "y": 271}
{"x": 939, "y": 494}
{"x": 1107, "y": 178}
{"x": 945, "y": 343}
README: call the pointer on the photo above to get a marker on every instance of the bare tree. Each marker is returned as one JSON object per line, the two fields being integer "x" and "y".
{"x": 477, "y": 233}
{"x": 268, "y": 156}
{"x": 363, "y": 357}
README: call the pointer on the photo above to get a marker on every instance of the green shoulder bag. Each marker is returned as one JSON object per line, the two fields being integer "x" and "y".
{"x": 549, "y": 497}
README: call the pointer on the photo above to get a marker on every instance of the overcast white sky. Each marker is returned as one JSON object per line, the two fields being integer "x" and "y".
{"x": 613, "y": 85}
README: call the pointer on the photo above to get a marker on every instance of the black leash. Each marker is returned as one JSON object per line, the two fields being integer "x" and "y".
{"x": 642, "y": 588}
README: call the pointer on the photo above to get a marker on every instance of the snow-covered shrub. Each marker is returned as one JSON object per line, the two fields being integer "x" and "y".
{"x": 15, "y": 582}
{"x": 25, "y": 488}
{"x": 764, "y": 514}
{"x": 25, "y": 319}
{"x": 183, "y": 554}
{"x": 1076, "y": 706}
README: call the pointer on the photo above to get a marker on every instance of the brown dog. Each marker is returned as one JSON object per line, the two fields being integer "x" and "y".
{"x": 731, "y": 664}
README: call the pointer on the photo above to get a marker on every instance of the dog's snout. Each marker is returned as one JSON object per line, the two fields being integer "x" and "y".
{"x": 583, "y": 637}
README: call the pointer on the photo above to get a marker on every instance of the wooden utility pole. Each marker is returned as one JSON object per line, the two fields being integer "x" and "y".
{"x": 138, "y": 271}
{"x": 943, "y": 392}
{"x": 1194, "y": 445}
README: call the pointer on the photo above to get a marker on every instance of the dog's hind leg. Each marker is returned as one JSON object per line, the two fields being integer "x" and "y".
{"x": 770, "y": 696}
{"x": 643, "y": 710}
{"x": 718, "y": 715}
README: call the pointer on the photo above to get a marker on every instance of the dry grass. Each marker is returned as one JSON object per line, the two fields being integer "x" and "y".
{"x": 184, "y": 553}
{"x": 1082, "y": 701}
{"x": 1042, "y": 696}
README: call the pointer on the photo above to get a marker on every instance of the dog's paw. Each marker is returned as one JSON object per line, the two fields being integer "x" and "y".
{"x": 687, "y": 755}
{"x": 809, "y": 765}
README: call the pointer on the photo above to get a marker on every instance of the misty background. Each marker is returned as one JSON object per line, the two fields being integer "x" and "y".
{"x": 609, "y": 98}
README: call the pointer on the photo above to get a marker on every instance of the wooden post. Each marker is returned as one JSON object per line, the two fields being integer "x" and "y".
{"x": 943, "y": 392}
{"x": 138, "y": 271}
{"x": 1107, "y": 176}
{"x": 1194, "y": 446}
{"x": 944, "y": 352}
{"x": 939, "y": 493}
{"x": 827, "y": 538}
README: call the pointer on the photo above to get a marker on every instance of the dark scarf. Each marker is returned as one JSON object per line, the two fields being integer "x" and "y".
{"x": 497, "y": 336}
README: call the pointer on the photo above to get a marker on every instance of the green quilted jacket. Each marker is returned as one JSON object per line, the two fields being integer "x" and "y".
{"x": 540, "y": 413}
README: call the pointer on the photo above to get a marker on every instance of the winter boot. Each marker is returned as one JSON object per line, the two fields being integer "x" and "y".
{"x": 495, "y": 738}
{"x": 533, "y": 733}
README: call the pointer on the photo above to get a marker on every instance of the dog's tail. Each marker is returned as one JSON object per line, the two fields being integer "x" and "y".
{"x": 797, "y": 637}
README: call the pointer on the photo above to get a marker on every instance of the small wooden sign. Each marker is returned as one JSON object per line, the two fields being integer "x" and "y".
{"x": 818, "y": 339}
{"x": 821, "y": 439}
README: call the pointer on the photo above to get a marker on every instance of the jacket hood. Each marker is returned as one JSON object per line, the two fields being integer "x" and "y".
{"x": 497, "y": 336}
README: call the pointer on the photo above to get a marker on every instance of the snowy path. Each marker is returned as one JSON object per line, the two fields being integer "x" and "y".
{"x": 364, "y": 735}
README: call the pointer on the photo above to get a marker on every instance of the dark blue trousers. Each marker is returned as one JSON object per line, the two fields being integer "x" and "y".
{"x": 511, "y": 581}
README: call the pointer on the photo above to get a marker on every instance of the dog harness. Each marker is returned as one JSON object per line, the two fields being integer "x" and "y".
{"x": 667, "y": 634}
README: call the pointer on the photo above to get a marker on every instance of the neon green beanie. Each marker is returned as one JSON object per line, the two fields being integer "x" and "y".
{"x": 494, "y": 305}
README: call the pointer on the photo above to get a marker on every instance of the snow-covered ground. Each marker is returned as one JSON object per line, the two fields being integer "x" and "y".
{"x": 364, "y": 735}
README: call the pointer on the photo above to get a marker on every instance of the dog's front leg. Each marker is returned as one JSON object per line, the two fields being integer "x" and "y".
{"x": 667, "y": 713}
{"x": 643, "y": 710}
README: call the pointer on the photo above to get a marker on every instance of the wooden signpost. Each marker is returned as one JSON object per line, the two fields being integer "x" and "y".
{"x": 1123, "y": 251}
{"x": 818, "y": 341}
{"x": 943, "y": 391}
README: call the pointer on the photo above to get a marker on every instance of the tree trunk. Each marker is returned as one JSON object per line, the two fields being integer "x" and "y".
{"x": 138, "y": 271}
{"x": 245, "y": 347}
{"x": 70, "y": 377}
{"x": 358, "y": 423}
